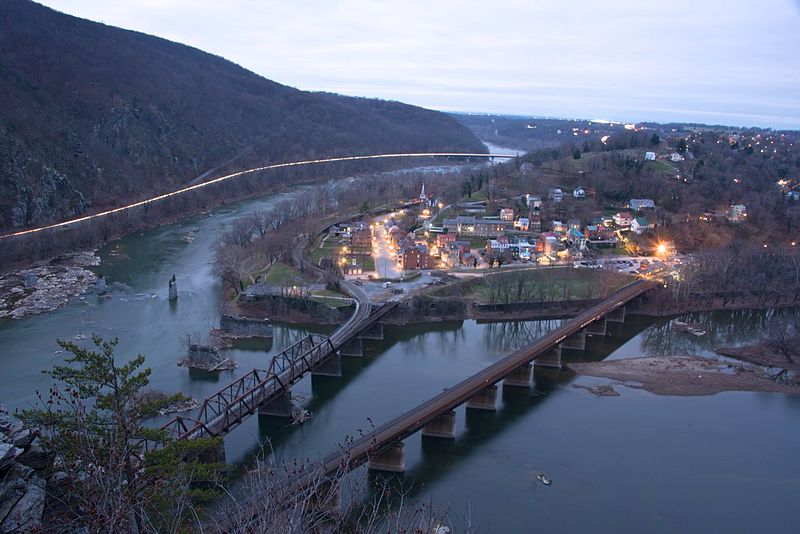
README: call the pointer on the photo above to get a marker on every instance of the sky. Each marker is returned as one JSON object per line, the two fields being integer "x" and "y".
{"x": 734, "y": 62}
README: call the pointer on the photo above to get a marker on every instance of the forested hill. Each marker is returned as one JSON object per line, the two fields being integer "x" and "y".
{"x": 95, "y": 115}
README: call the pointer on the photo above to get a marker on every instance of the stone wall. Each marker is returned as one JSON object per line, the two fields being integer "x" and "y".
{"x": 238, "y": 326}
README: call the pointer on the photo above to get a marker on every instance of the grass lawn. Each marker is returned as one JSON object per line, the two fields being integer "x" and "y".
{"x": 328, "y": 248}
{"x": 332, "y": 303}
{"x": 660, "y": 165}
{"x": 548, "y": 284}
{"x": 282, "y": 274}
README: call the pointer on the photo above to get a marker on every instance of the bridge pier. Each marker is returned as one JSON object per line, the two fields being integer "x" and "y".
{"x": 443, "y": 426}
{"x": 521, "y": 377}
{"x": 280, "y": 406}
{"x": 354, "y": 348}
{"x": 616, "y": 316}
{"x": 597, "y": 328}
{"x": 373, "y": 332}
{"x": 485, "y": 399}
{"x": 331, "y": 366}
{"x": 550, "y": 359}
{"x": 391, "y": 460}
{"x": 576, "y": 341}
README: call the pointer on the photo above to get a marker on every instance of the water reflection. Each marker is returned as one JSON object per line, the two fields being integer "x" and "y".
{"x": 510, "y": 336}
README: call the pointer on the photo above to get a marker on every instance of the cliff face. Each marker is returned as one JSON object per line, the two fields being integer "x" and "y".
{"x": 96, "y": 115}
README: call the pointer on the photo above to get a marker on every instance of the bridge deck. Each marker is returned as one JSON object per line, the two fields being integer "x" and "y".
{"x": 403, "y": 426}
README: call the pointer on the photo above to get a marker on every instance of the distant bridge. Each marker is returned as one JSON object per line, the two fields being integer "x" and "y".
{"x": 220, "y": 179}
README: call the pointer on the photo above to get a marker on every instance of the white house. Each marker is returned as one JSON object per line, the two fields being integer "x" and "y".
{"x": 556, "y": 195}
{"x": 579, "y": 192}
{"x": 650, "y": 156}
{"x": 623, "y": 218}
{"x": 637, "y": 204}
{"x": 737, "y": 213}
{"x": 639, "y": 225}
{"x": 533, "y": 201}
{"x": 522, "y": 224}
{"x": 675, "y": 157}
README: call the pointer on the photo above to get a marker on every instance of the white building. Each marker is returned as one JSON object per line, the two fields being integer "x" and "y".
{"x": 556, "y": 195}
{"x": 522, "y": 224}
{"x": 637, "y": 204}
{"x": 579, "y": 192}
{"x": 675, "y": 157}
{"x": 737, "y": 213}
{"x": 650, "y": 156}
{"x": 639, "y": 225}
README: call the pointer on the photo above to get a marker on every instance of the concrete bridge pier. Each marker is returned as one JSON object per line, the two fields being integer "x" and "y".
{"x": 597, "y": 328}
{"x": 550, "y": 359}
{"x": 354, "y": 348}
{"x": 486, "y": 399}
{"x": 520, "y": 378}
{"x": 443, "y": 426}
{"x": 576, "y": 341}
{"x": 331, "y": 366}
{"x": 391, "y": 460}
{"x": 616, "y": 316}
{"x": 373, "y": 332}
{"x": 280, "y": 406}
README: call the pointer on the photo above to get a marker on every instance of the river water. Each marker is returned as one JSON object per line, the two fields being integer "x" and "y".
{"x": 637, "y": 462}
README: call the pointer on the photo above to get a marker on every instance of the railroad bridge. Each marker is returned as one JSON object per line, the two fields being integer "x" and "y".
{"x": 383, "y": 449}
{"x": 268, "y": 391}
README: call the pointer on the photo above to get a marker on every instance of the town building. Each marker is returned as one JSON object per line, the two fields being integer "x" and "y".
{"x": 522, "y": 224}
{"x": 533, "y": 201}
{"x": 640, "y": 225}
{"x": 556, "y": 195}
{"x": 737, "y": 213}
{"x": 638, "y": 204}
{"x": 623, "y": 219}
{"x": 535, "y": 220}
{"x": 675, "y": 157}
{"x": 650, "y": 156}
{"x": 472, "y": 226}
{"x": 507, "y": 214}
{"x": 579, "y": 192}
{"x": 415, "y": 257}
{"x": 443, "y": 239}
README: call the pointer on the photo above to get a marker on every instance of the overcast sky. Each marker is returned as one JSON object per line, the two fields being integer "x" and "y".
{"x": 715, "y": 61}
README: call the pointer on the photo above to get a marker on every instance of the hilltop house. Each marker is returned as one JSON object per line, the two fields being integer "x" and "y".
{"x": 737, "y": 213}
{"x": 650, "y": 156}
{"x": 579, "y": 192}
{"x": 638, "y": 204}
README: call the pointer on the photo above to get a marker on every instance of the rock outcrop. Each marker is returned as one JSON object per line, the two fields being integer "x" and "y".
{"x": 24, "y": 467}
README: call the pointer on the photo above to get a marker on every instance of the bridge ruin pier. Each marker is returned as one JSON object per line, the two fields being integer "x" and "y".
{"x": 214, "y": 454}
{"x": 521, "y": 377}
{"x": 355, "y": 348}
{"x": 576, "y": 341}
{"x": 374, "y": 332}
{"x": 550, "y": 359}
{"x": 332, "y": 366}
{"x": 485, "y": 399}
{"x": 280, "y": 406}
{"x": 616, "y": 316}
{"x": 390, "y": 460}
{"x": 597, "y": 328}
{"x": 443, "y": 426}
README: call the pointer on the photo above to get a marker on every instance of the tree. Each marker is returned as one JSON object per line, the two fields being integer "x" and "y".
{"x": 682, "y": 146}
{"x": 655, "y": 140}
{"x": 93, "y": 422}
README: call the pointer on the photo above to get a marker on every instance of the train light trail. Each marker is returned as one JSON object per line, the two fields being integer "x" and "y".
{"x": 220, "y": 179}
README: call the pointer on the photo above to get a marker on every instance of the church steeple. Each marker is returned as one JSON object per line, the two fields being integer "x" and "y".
{"x": 422, "y": 193}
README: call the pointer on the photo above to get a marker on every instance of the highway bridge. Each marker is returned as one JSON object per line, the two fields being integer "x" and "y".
{"x": 382, "y": 448}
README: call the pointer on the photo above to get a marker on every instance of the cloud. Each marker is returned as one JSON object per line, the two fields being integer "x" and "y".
{"x": 729, "y": 56}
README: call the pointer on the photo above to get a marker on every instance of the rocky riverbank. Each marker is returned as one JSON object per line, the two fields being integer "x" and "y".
{"x": 47, "y": 286}
{"x": 687, "y": 375}
{"x": 24, "y": 467}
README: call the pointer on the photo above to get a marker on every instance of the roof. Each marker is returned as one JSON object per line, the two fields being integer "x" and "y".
{"x": 641, "y": 221}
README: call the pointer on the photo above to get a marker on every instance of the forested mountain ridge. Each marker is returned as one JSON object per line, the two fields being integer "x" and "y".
{"x": 97, "y": 115}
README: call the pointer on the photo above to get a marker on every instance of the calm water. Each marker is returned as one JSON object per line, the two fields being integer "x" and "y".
{"x": 637, "y": 462}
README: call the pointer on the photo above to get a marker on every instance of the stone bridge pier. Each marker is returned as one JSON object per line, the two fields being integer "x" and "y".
{"x": 355, "y": 348}
{"x": 551, "y": 359}
{"x": 373, "y": 332}
{"x": 331, "y": 366}
{"x": 443, "y": 426}
{"x": 390, "y": 460}
{"x": 280, "y": 406}
{"x": 486, "y": 399}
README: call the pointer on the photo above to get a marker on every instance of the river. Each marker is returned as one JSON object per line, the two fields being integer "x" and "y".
{"x": 636, "y": 462}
